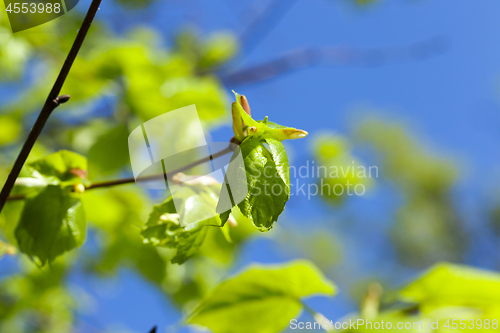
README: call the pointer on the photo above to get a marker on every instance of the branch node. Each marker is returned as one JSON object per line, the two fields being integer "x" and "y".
{"x": 62, "y": 99}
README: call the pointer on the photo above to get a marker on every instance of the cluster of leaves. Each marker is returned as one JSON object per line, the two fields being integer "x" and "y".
{"x": 42, "y": 299}
{"x": 267, "y": 188}
{"x": 163, "y": 227}
{"x": 53, "y": 219}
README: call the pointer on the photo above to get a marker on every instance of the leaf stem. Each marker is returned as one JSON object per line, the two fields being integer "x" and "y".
{"x": 52, "y": 102}
{"x": 129, "y": 180}
{"x": 316, "y": 315}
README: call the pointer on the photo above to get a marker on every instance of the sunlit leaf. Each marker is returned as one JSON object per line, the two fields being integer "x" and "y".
{"x": 268, "y": 192}
{"x": 262, "y": 129}
{"x": 163, "y": 227}
{"x": 261, "y": 299}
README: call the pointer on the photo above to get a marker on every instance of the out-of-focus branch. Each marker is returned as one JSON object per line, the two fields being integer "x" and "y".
{"x": 336, "y": 56}
{"x": 263, "y": 22}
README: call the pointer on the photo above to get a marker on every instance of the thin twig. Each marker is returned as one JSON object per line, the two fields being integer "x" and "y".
{"x": 130, "y": 180}
{"x": 160, "y": 176}
{"x": 53, "y": 101}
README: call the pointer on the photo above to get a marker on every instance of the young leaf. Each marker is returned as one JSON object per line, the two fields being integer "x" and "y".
{"x": 261, "y": 299}
{"x": 51, "y": 223}
{"x": 260, "y": 129}
{"x": 163, "y": 227}
{"x": 267, "y": 171}
{"x": 267, "y": 191}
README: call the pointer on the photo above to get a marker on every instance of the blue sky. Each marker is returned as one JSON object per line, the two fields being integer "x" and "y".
{"x": 450, "y": 101}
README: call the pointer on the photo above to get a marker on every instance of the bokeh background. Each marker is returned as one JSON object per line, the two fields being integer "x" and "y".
{"x": 411, "y": 87}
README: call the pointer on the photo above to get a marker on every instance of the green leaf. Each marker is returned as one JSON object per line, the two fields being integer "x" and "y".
{"x": 454, "y": 285}
{"x": 51, "y": 223}
{"x": 267, "y": 170}
{"x": 280, "y": 159}
{"x": 261, "y": 299}
{"x": 364, "y": 2}
{"x": 163, "y": 227}
{"x": 63, "y": 167}
{"x": 267, "y": 190}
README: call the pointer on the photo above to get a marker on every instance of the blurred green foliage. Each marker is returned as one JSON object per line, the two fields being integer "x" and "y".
{"x": 452, "y": 297}
{"x": 261, "y": 299}
{"x": 340, "y": 172}
{"x": 37, "y": 301}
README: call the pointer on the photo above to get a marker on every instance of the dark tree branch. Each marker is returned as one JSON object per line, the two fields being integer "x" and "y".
{"x": 130, "y": 180}
{"x": 336, "y": 56}
{"x": 52, "y": 102}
